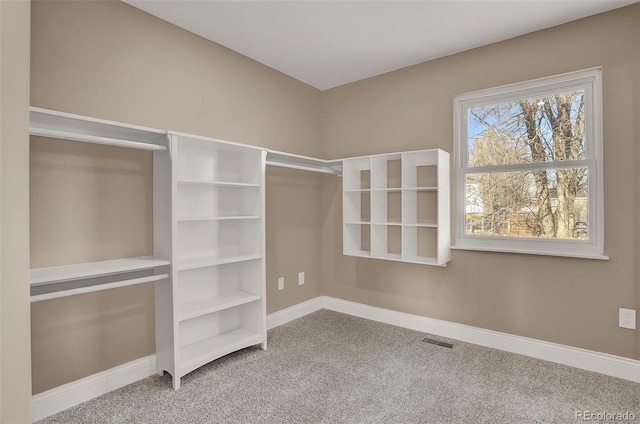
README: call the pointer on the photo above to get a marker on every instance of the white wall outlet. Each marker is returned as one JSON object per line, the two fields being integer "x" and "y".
{"x": 627, "y": 318}
{"x": 301, "y": 278}
{"x": 280, "y": 283}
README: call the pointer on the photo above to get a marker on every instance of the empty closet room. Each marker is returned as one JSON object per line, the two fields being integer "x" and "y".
{"x": 88, "y": 202}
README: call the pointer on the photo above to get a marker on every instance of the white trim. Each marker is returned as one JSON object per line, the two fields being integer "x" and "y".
{"x": 71, "y": 394}
{"x": 284, "y": 316}
{"x": 532, "y": 252}
{"x": 603, "y": 363}
{"x": 591, "y": 81}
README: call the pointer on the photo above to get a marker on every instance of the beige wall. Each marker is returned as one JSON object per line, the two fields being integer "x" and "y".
{"x": 15, "y": 382}
{"x": 110, "y": 60}
{"x": 569, "y": 301}
{"x": 294, "y": 236}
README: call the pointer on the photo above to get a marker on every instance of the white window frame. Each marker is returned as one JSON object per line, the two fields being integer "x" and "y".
{"x": 589, "y": 80}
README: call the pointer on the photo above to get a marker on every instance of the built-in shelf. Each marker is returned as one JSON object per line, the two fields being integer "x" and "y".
{"x": 216, "y": 218}
{"x": 214, "y": 304}
{"x": 61, "y": 273}
{"x": 217, "y": 252}
{"x": 196, "y": 354}
{"x": 192, "y": 263}
{"x": 361, "y": 253}
{"x": 421, "y": 188}
{"x": 67, "y": 126}
{"x": 305, "y": 163}
{"x": 218, "y": 183}
{"x": 422, "y": 224}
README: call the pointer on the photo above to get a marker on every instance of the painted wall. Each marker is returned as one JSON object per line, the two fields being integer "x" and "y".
{"x": 110, "y": 60}
{"x": 15, "y": 364}
{"x": 569, "y": 301}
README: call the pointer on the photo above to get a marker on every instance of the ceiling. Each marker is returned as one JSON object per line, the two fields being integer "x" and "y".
{"x": 330, "y": 43}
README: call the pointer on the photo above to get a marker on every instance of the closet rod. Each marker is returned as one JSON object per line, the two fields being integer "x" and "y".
{"x": 100, "y": 287}
{"x": 302, "y": 167}
{"x": 65, "y": 135}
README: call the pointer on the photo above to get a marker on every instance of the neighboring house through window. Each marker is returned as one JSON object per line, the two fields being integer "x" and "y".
{"x": 528, "y": 160}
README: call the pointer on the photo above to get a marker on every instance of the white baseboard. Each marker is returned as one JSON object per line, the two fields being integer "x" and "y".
{"x": 603, "y": 363}
{"x": 276, "y": 319}
{"x": 71, "y": 394}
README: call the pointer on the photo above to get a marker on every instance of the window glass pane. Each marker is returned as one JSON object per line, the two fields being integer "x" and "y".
{"x": 550, "y": 204}
{"x": 537, "y": 129}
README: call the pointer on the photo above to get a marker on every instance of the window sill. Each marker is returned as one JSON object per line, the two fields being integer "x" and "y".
{"x": 533, "y": 252}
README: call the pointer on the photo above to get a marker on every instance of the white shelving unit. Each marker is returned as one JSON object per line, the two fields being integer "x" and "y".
{"x": 208, "y": 266}
{"x": 396, "y": 207}
{"x": 68, "y": 280}
{"x": 217, "y": 302}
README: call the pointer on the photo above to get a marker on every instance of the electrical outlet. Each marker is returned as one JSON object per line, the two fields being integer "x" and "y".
{"x": 301, "y": 278}
{"x": 280, "y": 283}
{"x": 627, "y": 318}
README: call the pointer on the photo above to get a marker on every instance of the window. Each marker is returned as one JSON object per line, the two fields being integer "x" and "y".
{"x": 528, "y": 160}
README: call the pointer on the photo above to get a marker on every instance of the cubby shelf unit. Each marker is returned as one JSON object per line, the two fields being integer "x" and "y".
{"x": 396, "y": 207}
{"x": 216, "y": 304}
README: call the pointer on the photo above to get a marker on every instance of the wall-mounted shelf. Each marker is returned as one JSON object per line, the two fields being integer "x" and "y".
{"x": 70, "y": 280}
{"x": 67, "y": 126}
{"x": 305, "y": 163}
{"x": 56, "y": 274}
{"x": 396, "y": 207}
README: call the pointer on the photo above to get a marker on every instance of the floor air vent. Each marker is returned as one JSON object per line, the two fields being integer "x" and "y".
{"x": 438, "y": 342}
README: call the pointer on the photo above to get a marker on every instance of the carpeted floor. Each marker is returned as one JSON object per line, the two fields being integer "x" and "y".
{"x": 333, "y": 368}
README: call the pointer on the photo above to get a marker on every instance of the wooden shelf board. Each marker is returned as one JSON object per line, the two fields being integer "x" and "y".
{"x": 216, "y": 218}
{"x": 202, "y": 262}
{"x": 67, "y": 126}
{"x": 358, "y": 222}
{"x": 359, "y": 253}
{"x": 422, "y": 224}
{"x": 423, "y": 260}
{"x": 421, "y": 188}
{"x": 214, "y": 304}
{"x": 357, "y": 190}
{"x": 197, "y": 354}
{"x": 290, "y": 160}
{"x": 217, "y": 183}
{"x": 92, "y": 269}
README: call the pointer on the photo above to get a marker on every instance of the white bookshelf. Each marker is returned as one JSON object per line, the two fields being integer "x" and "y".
{"x": 217, "y": 221}
{"x": 396, "y": 207}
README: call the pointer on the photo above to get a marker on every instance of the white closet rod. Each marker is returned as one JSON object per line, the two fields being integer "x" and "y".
{"x": 99, "y": 287}
{"x": 302, "y": 167}
{"x": 65, "y": 135}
